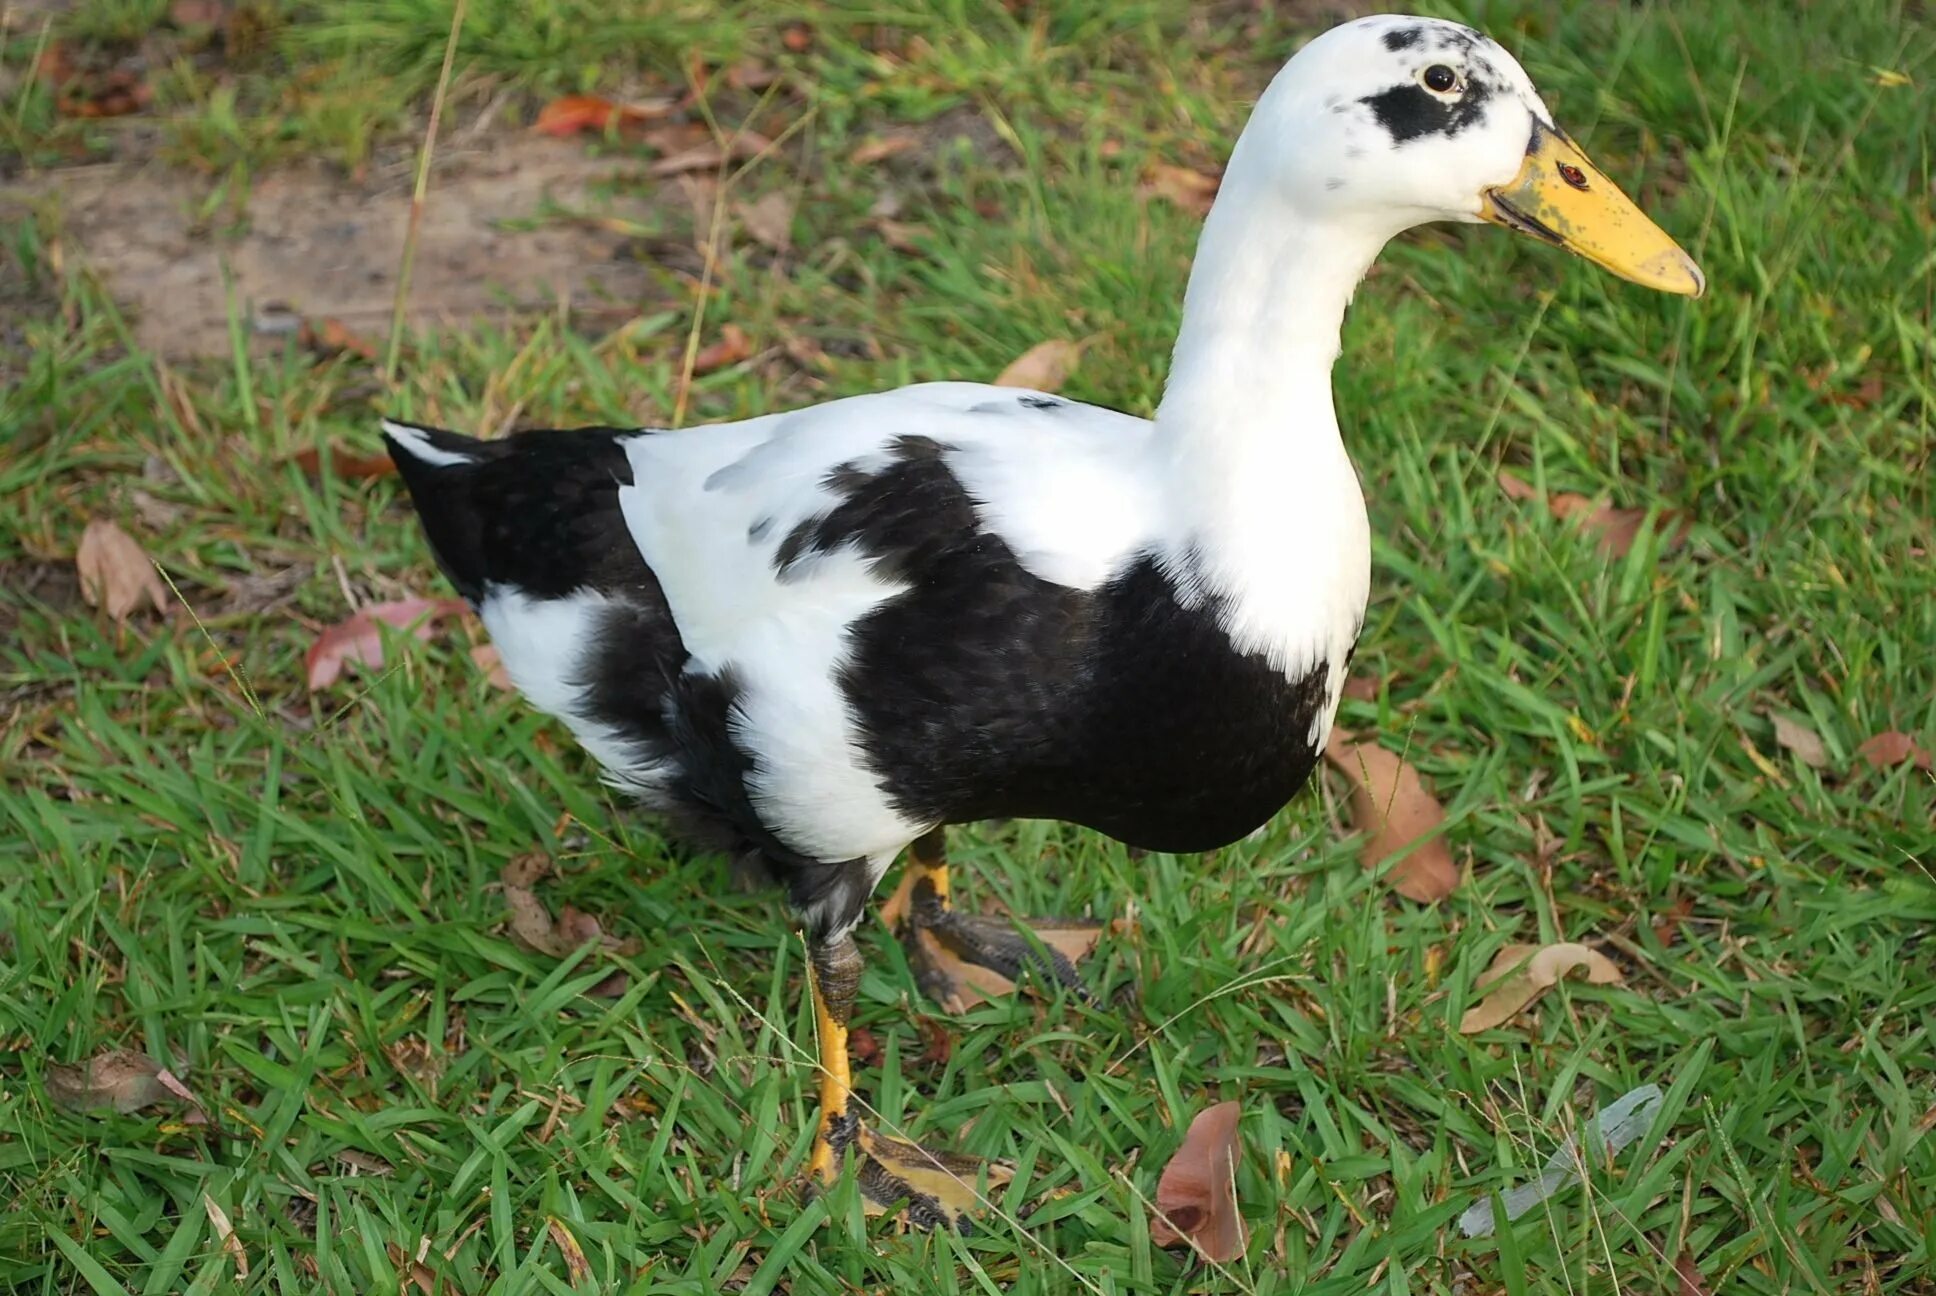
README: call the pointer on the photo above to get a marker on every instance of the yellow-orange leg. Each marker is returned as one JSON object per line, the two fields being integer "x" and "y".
{"x": 834, "y": 972}
{"x": 960, "y": 958}
{"x": 932, "y": 1188}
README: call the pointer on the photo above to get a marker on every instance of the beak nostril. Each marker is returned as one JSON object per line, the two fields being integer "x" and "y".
{"x": 1573, "y": 175}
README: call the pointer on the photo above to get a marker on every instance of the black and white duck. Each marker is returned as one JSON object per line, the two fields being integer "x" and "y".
{"x": 820, "y": 636}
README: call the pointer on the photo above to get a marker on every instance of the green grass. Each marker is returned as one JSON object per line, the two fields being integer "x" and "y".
{"x": 289, "y": 896}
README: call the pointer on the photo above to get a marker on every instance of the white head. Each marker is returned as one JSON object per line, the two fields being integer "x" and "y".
{"x": 1389, "y": 122}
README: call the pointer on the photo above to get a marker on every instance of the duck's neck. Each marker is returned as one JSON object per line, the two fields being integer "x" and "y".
{"x": 1270, "y": 508}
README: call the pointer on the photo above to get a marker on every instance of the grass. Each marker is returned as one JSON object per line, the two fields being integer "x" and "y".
{"x": 289, "y": 897}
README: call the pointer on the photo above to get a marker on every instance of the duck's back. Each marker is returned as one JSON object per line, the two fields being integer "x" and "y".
{"x": 818, "y": 634}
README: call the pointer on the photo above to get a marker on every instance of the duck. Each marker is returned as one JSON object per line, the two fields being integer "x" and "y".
{"x": 816, "y": 638}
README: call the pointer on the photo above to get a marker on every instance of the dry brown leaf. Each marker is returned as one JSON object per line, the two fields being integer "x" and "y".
{"x": 1196, "y": 1197}
{"x": 1362, "y": 688}
{"x": 1892, "y": 748}
{"x": 225, "y": 1234}
{"x": 1520, "y": 974}
{"x": 416, "y": 1272}
{"x": 1043, "y": 367}
{"x": 733, "y": 346}
{"x": 486, "y": 659}
{"x": 1616, "y": 528}
{"x": 769, "y": 219}
{"x": 881, "y": 147}
{"x": 346, "y": 464}
{"x": 1191, "y": 190}
{"x": 115, "y": 574}
{"x": 1688, "y": 1276}
{"x": 1800, "y": 739}
{"x": 709, "y": 154}
{"x": 1390, "y": 800}
{"x": 576, "y": 1266}
{"x": 901, "y": 235}
{"x": 359, "y": 638}
{"x": 863, "y": 1048}
{"x": 119, "y": 1078}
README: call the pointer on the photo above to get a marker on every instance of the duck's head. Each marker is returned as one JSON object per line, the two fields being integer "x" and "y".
{"x": 1391, "y": 122}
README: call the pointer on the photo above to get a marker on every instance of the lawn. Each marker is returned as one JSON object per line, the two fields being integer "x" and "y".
{"x": 291, "y": 898}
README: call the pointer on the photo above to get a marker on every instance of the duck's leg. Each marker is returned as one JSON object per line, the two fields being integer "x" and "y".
{"x": 934, "y": 1188}
{"x": 961, "y": 958}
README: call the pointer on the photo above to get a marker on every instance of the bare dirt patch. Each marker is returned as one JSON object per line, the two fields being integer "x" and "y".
{"x": 313, "y": 245}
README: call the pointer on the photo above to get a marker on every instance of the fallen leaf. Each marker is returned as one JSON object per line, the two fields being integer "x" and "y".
{"x": 486, "y": 659}
{"x": 533, "y": 926}
{"x": 420, "y": 1275}
{"x": 902, "y": 236}
{"x": 1800, "y": 739}
{"x": 1361, "y": 688}
{"x": 576, "y": 1267}
{"x": 1892, "y": 748}
{"x": 575, "y": 113}
{"x": 1515, "y": 486}
{"x": 937, "y": 1045}
{"x": 331, "y": 337}
{"x": 879, "y": 148}
{"x": 1389, "y": 799}
{"x": 115, "y": 574}
{"x": 748, "y": 74}
{"x": 1520, "y": 974}
{"x": 1667, "y": 923}
{"x": 1688, "y": 1274}
{"x": 709, "y": 155}
{"x": 769, "y": 219}
{"x": 862, "y": 1047}
{"x": 317, "y": 461}
{"x": 797, "y": 37}
{"x": 85, "y": 92}
{"x": 1043, "y": 367}
{"x": 1196, "y": 1197}
{"x": 733, "y": 346}
{"x": 1616, "y": 528}
{"x": 118, "y": 1078}
{"x": 363, "y": 1163}
{"x": 198, "y": 13}
{"x": 359, "y": 638}
{"x": 1193, "y": 191}
{"x": 225, "y": 1234}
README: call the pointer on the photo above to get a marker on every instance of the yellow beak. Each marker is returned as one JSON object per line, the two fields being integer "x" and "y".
{"x": 1561, "y": 198}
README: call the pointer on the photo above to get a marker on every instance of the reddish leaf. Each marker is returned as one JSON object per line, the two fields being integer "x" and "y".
{"x": 797, "y": 37}
{"x": 937, "y": 1045}
{"x": 332, "y": 337}
{"x": 1892, "y": 748}
{"x": 733, "y": 346}
{"x": 1690, "y": 1283}
{"x": 1515, "y": 486}
{"x": 1196, "y": 1198}
{"x": 862, "y": 1047}
{"x": 360, "y": 638}
{"x": 1389, "y": 799}
{"x": 575, "y": 113}
{"x": 1616, "y": 528}
{"x": 1043, "y": 367}
{"x": 486, "y": 657}
{"x": 346, "y": 464}
{"x": 198, "y": 13}
{"x": 1361, "y": 688}
{"x": 115, "y": 574}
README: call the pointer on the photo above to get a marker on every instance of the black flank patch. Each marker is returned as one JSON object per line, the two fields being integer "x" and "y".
{"x": 984, "y": 692}
{"x": 1410, "y": 111}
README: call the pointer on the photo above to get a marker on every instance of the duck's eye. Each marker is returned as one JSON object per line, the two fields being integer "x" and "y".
{"x": 1440, "y": 78}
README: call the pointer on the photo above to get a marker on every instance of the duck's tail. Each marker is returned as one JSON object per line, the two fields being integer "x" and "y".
{"x": 536, "y": 512}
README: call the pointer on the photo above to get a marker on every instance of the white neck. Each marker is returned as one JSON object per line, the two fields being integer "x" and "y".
{"x": 1267, "y": 502}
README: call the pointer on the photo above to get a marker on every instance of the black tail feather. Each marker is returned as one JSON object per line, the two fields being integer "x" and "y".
{"x": 537, "y": 511}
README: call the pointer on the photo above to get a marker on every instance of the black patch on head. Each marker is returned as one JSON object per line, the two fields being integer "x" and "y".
{"x": 1410, "y": 111}
{"x": 1399, "y": 38}
{"x": 1042, "y": 402}
{"x": 1334, "y": 184}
